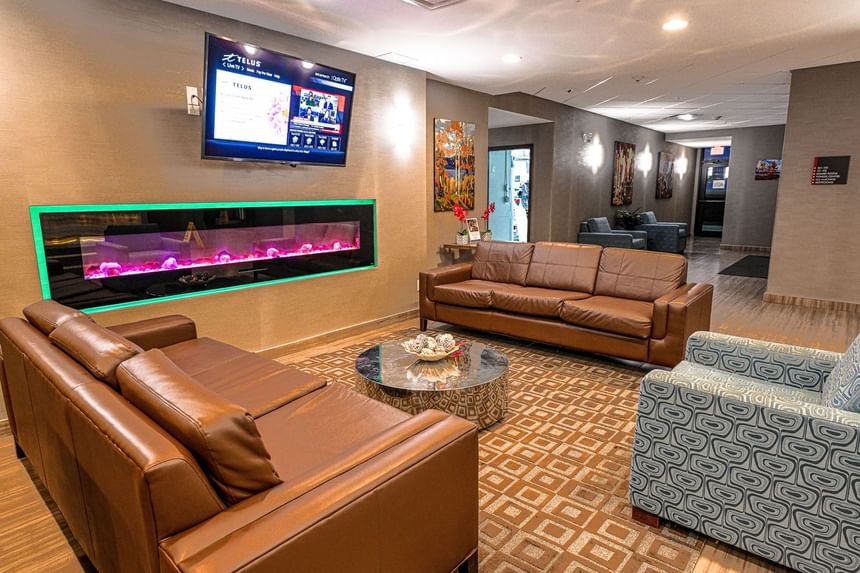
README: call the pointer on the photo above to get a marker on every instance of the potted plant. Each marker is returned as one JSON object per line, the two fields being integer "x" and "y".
{"x": 627, "y": 219}
{"x": 487, "y": 235}
{"x": 463, "y": 233}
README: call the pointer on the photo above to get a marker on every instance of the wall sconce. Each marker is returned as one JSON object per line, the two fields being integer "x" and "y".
{"x": 681, "y": 165}
{"x": 645, "y": 160}
{"x": 401, "y": 125}
{"x": 592, "y": 152}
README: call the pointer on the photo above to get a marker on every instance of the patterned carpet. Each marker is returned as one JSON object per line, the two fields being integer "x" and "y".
{"x": 554, "y": 472}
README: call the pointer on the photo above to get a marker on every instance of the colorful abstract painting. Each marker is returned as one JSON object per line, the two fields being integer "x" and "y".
{"x": 622, "y": 175}
{"x": 767, "y": 169}
{"x": 454, "y": 165}
{"x": 665, "y": 174}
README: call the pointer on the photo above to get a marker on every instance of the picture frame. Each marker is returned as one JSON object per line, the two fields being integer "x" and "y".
{"x": 622, "y": 174}
{"x": 453, "y": 164}
{"x": 473, "y": 228}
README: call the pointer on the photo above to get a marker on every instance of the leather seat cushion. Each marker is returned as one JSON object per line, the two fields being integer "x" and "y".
{"x": 534, "y": 300}
{"x": 221, "y": 434}
{"x": 258, "y": 384}
{"x": 472, "y": 293}
{"x": 322, "y": 426}
{"x": 96, "y": 348}
{"x": 610, "y": 314}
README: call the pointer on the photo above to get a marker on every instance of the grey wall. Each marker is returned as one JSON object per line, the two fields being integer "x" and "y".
{"x": 816, "y": 238}
{"x": 575, "y": 192}
{"x": 750, "y": 204}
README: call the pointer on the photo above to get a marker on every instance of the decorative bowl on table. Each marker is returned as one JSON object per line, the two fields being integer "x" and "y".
{"x": 431, "y": 348}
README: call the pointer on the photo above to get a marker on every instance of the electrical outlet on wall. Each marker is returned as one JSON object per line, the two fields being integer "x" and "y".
{"x": 192, "y": 101}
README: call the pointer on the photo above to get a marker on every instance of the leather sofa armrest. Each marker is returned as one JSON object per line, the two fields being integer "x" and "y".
{"x": 660, "y": 319}
{"x": 443, "y": 275}
{"x": 158, "y": 332}
{"x": 417, "y": 499}
{"x": 685, "y": 314}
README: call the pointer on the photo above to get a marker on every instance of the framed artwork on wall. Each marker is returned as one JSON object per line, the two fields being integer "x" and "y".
{"x": 622, "y": 174}
{"x": 453, "y": 165}
{"x": 766, "y": 169}
{"x": 665, "y": 174}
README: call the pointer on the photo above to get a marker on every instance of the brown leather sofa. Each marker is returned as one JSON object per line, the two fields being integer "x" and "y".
{"x": 619, "y": 302}
{"x": 168, "y": 452}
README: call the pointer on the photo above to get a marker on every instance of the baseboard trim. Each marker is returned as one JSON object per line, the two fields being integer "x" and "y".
{"x": 318, "y": 339}
{"x": 811, "y": 302}
{"x": 746, "y": 248}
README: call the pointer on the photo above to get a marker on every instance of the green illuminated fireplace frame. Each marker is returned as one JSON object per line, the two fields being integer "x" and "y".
{"x": 88, "y": 259}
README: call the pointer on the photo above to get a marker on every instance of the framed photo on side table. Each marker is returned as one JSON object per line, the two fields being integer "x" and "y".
{"x": 473, "y": 228}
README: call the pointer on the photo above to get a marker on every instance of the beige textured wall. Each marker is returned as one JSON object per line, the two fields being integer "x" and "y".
{"x": 816, "y": 237}
{"x": 92, "y": 111}
{"x": 445, "y": 101}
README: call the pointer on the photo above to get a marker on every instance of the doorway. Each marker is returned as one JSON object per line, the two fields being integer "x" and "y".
{"x": 712, "y": 189}
{"x": 509, "y": 189}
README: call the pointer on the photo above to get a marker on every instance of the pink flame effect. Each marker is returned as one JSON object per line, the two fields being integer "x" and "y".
{"x": 113, "y": 269}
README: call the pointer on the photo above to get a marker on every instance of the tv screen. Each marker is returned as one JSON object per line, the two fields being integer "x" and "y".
{"x": 261, "y": 105}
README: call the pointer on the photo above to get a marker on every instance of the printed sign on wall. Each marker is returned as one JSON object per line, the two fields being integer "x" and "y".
{"x": 830, "y": 170}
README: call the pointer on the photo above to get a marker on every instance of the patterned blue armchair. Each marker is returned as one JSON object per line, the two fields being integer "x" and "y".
{"x": 597, "y": 231}
{"x": 755, "y": 444}
{"x": 666, "y": 237}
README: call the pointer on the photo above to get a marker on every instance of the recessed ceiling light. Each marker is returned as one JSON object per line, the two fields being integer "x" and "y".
{"x": 512, "y": 59}
{"x": 675, "y": 24}
{"x": 686, "y": 117}
{"x": 307, "y": 65}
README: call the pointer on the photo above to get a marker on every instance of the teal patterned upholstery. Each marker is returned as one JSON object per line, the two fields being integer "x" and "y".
{"x": 599, "y": 225}
{"x": 741, "y": 443}
{"x": 795, "y": 366}
{"x": 648, "y": 217}
{"x": 842, "y": 389}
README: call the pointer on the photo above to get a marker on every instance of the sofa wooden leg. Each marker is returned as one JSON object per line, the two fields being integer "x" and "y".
{"x": 646, "y": 518}
{"x": 470, "y": 565}
{"x": 422, "y": 324}
{"x": 19, "y": 453}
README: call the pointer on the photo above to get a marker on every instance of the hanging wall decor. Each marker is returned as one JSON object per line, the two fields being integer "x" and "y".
{"x": 454, "y": 165}
{"x": 665, "y": 175}
{"x": 622, "y": 177}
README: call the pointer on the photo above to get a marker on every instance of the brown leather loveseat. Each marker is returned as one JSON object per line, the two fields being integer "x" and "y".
{"x": 619, "y": 302}
{"x": 168, "y": 452}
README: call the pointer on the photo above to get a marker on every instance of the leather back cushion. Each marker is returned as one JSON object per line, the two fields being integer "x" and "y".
{"x": 221, "y": 434}
{"x": 648, "y": 217}
{"x": 46, "y": 315}
{"x": 502, "y": 262}
{"x": 566, "y": 266}
{"x": 98, "y": 349}
{"x": 639, "y": 275}
{"x": 599, "y": 225}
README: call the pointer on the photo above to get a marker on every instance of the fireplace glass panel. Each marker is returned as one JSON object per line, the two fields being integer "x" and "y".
{"x": 101, "y": 257}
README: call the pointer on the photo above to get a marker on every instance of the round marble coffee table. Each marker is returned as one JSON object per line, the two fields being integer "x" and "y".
{"x": 471, "y": 383}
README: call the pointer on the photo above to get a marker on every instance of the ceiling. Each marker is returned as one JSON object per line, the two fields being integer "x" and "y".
{"x": 607, "y": 56}
{"x": 504, "y": 118}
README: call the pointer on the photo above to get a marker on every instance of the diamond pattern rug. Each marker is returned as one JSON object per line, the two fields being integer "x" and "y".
{"x": 553, "y": 474}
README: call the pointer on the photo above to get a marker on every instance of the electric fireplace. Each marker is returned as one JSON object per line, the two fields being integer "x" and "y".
{"x": 100, "y": 257}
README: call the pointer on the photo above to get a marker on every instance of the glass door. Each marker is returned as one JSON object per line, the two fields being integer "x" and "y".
{"x": 711, "y": 196}
{"x": 509, "y": 190}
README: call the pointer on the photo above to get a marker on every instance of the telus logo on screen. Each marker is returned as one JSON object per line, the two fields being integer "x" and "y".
{"x": 228, "y": 59}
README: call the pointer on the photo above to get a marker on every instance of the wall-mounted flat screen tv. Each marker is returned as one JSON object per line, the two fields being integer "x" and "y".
{"x": 261, "y": 105}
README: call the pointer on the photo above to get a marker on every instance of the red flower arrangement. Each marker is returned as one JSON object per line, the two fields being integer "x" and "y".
{"x": 491, "y": 208}
{"x": 461, "y": 215}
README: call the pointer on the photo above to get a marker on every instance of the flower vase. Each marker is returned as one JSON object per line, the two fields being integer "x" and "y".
{"x": 487, "y": 235}
{"x": 462, "y": 239}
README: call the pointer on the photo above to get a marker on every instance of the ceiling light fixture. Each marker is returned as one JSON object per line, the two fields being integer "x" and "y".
{"x": 307, "y": 65}
{"x": 512, "y": 59}
{"x": 251, "y": 50}
{"x": 686, "y": 117}
{"x": 675, "y": 25}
